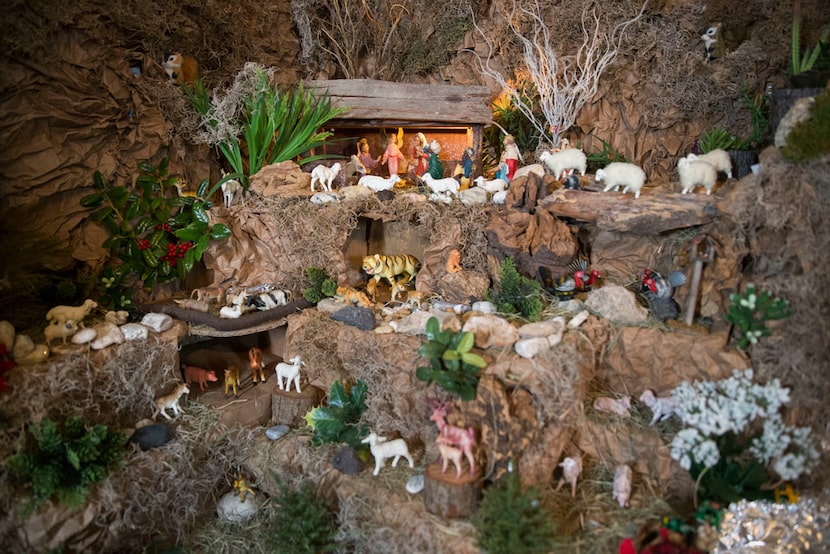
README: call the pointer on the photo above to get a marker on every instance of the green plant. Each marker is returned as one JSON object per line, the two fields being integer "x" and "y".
{"x": 510, "y": 120}
{"x": 715, "y": 139}
{"x": 303, "y": 524}
{"x": 750, "y": 312}
{"x": 802, "y": 62}
{"x": 734, "y": 438}
{"x": 156, "y": 235}
{"x": 339, "y": 420}
{"x": 510, "y": 520}
{"x": 322, "y": 286}
{"x": 451, "y": 364}
{"x": 64, "y": 460}
{"x": 810, "y": 138}
{"x": 598, "y": 160}
{"x": 517, "y": 293}
{"x": 256, "y": 117}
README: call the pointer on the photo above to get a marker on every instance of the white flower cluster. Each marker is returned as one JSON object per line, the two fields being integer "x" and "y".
{"x": 734, "y": 405}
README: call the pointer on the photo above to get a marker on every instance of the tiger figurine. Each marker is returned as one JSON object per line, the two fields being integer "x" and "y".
{"x": 380, "y": 267}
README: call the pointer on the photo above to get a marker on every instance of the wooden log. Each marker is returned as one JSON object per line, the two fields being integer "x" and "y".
{"x": 290, "y": 407}
{"x": 651, "y": 214}
{"x": 446, "y": 496}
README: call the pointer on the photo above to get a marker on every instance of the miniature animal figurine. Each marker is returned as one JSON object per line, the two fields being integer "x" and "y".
{"x": 658, "y": 291}
{"x": 621, "y": 174}
{"x": 324, "y": 176}
{"x": 192, "y": 304}
{"x": 268, "y": 300}
{"x": 349, "y": 295}
{"x": 618, "y": 406}
{"x": 57, "y": 330}
{"x": 563, "y": 288}
{"x": 571, "y": 470}
{"x": 718, "y": 157}
{"x": 378, "y": 184}
{"x": 694, "y": 173}
{"x": 119, "y": 317}
{"x": 559, "y": 162}
{"x": 170, "y": 401}
{"x": 387, "y": 267}
{"x": 414, "y": 299}
{"x": 443, "y": 186}
{"x": 499, "y": 197}
{"x": 229, "y": 190}
{"x": 454, "y": 261}
{"x": 232, "y": 381}
{"x": 449, "y": 453}
{"x": 571, "y": 182}
{"x": 180, "y": 69}
{"x": 583, "y": 277}
{"x": 213, "y": 293}
{"x": 711, "y": 42}
{"x": 77, "y": 314}
{"x": 494, "y": 186}
{"x": 452, "y": 435}
{"x": 199, "y": 375}
{"x": 240, "y": 484}
{"x": 382, "y": 449}
{"x": 622, "y": 485}
{"x": 257, "y": 367}
{"x": 237, "y": 307}
{"x": 289, "y": 372}
{"x": 661, "y": 408}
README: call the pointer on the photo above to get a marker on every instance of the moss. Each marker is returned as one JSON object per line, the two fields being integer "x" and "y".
{"x": 810, "y": 138}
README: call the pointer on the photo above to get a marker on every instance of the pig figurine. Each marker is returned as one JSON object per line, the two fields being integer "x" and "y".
{"x": 199, "y": 375}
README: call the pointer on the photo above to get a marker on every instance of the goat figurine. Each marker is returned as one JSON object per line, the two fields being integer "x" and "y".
{"x": 661, "y": 408}
{"x": 289, "y": 372}
{"x": 324, "y": 176}
{"x": 571, "y": 470}
{"x": 382, "y": 449}
{"x": 464, "y": 439}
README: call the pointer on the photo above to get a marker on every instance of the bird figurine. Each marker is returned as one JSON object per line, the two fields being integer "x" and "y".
{"x": 659, "y": 291}
{"x": 571, "y": 182}
{"x": 584, "y": 277}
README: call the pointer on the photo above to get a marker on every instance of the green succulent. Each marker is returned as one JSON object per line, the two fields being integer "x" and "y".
{"x": 452, "y": 365}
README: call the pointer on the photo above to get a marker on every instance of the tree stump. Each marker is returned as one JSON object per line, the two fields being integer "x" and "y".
{"x": 290, "y": 407}
{"x": 446, "y": 496}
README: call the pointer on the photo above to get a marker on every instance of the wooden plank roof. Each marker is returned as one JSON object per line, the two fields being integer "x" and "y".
{"x": 387, "y": 103}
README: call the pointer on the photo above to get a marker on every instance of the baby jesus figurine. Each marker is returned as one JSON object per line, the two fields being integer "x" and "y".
{"x": 454, "y": 261}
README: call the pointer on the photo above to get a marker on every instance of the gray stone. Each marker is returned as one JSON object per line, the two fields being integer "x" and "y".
{"x": 617, "y": 304}
{"x": 329, "y": 305}
{"x": 135, "y": 331}
{"x": 276, "y": 432}
{"x": 542, "y": 328}
{"x": 415, "y": 484}
{"x": 474, "y": 195}
{"x": 151, "y": 436}
{"x": 491, "y": 330}
{"x": 484, "y": 307}
{"x": 108, "y": 334}
{"x": 416, "y": 323}
{"x": 356, "y": 316}
{"x": 84, "y": 336}
{"x": 158, "y": 323}
{"x": 530, "y": 347}
{"x": 347, "y": 462}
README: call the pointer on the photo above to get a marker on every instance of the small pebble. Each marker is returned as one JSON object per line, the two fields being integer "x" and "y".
{"x": 415, "y": 484}
{"x": 276, "y": 432}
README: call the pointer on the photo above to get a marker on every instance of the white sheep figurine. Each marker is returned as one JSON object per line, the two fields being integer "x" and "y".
{"x": 559, "y": 162}
{"x": 718, "y": 158}
{"x": 441, "y": 186}
{"x": 661, "y": 408}
{"x": 377, "y": 183}
{"x": 229, "y": 190}
{"x": 695, "y": 172}
{"x": 622, "y": 174}
{"x": 324, "y": 176}
{"x": 289, "y": 372}
{"x": 62, "y": 314}
{"x": 622, "y": 485}
{"x": 382, "y": 449}
{"x": 494, "y": 186}
{"x": 571, "y": 470}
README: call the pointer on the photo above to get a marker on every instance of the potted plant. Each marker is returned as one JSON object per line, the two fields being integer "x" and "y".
{"x": 809, "y": 70}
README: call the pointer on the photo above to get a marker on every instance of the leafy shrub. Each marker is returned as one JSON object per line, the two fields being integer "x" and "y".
{"x": 715, "y": 139}
{"x": 322, "y": 286}
{"x": 517, "y": 293}
{"x": 750, "y": 312}
{"x": 303, "y": 523}
{"x": 598, "y": 160}
{"x": 63, "y": 461}
{"x": 452, "y": 366}
{"x": 156, "y": 235}
{"x": 511, "y": 521}
{"x": 339, "y": 420}
{"x": 810, "y": 138}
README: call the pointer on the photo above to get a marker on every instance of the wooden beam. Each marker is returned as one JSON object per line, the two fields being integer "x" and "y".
{"x": 648, "y": 215}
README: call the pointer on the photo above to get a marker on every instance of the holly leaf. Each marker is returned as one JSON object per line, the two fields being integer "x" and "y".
{"x": 220, "y": 231}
